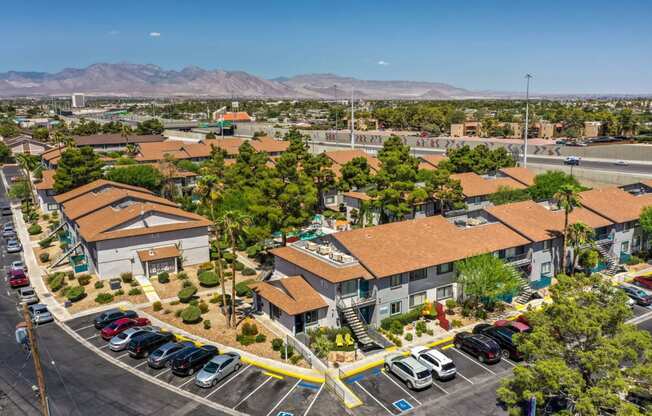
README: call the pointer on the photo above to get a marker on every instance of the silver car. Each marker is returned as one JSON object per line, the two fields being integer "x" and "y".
{"x": 218, "y": 368}
{"x": 163, "y": 356}
{"x": 408, "y": 369}
{"x": 27, "y": 295}
{"x": 121, "y": 341}
{"x": 19, "y": 265}
{"x": 8, "y": 230}
{"x": 40, "y": 314}
{"x": 13, "y": 246}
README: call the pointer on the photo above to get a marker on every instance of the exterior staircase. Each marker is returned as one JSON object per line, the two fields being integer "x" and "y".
{"x": 613, "y": 265}
{"x": 64, "y": 256}
{"x": 525, "y": 291}
{"x": 357, "y": 326}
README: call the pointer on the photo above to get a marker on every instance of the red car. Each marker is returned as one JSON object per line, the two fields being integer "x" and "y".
{"x": 17, "y": 278}
{"x": 114, "y": 328}
{"x": 516, "y": 325}
{"x": 643, "y": 281}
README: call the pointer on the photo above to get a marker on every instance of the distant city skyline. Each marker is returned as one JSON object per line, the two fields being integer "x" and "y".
{"x": 569, "y": 47}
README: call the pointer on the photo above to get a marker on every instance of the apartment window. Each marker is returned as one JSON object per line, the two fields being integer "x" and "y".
{"x": 395, "y": 308}
{"x": 53, "y": 207}
{"x": 547, "y": 245}
{"x": 349, "y": 288}
{"x": 546, "y": 268}
{"x": 624, "y": 247}
{"x": 330, "y": 200}
{"x": 395, "y": 281}
{"x": 417, "y": 299}
{"x": 445, "y": 268}
{"x": 274, "y": 311}
{"x": 636, "y": 244}
{"x": 310, "y": 317}
{"x": 418, "y": 275}
{"x": 445, "y": 292}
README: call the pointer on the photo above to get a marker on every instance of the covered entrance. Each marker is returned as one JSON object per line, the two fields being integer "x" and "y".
{"x": 159, "y": 260}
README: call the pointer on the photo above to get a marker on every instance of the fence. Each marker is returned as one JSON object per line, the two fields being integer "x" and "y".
{"x": 308, "y": 355}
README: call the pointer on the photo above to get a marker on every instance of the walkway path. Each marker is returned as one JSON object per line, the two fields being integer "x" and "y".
{"x": 148, "y": 288}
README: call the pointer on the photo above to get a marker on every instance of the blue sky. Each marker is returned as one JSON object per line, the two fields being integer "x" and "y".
{"x": 569, "y": 46}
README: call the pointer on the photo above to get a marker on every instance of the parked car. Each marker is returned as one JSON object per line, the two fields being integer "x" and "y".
{"x": 515, "y": 325}
{"x": 503, "y": 336}
{"x": 27, "y": 295}
{"x": 40, "y": 314}
{"x": 122, "y": 324}
{"x": 218, "y": 368}
{"x": 441, "y": 366}
{"x": 639, "y": 296}
{"x": 121, "y": 341}
{"x": 485, "y": 349}
{"x": 111, "y": 315}
{"x": 409, "y": 370}
{"x": 163, "y": 355}
{"x": 8, "y": 230}
{"x": 13, "y": 246}
{"x": 19, "y": 265}
{"x": 17, "y": 278}
{"x": 6, "y": 209}
{"x": 187, "y": 362}
{"x": 143, "y": 345}
{"x": 643, "y": 281}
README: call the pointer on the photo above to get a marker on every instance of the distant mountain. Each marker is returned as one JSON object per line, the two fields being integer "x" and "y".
{"x": 135, "y": 80}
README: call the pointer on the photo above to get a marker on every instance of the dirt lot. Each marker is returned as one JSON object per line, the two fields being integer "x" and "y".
{"x": 170, "y": 289}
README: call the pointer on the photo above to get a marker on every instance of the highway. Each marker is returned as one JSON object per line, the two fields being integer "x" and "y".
{"x": 596, "y": 164}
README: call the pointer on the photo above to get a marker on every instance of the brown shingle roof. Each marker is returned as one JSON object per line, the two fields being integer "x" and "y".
{"x": 321, "y": 268}
{"x": 291, "y": 294}
{"x": 92, "y": 201}
{"x": 475, "y": 185}
{"x": 238, "y": 116}
{"x": 430, "y": 162}
{"x": 615, "y": 204}
{"x": 404, "y": 246}
{"x": 53, "y": 155}
{"x": 48, "y": 180}
{"x": 159, "y": 253}
{"x": 116, "y": 138}
{"x": 522, "y": 175}
{"x": 342, "y": 157}
{"x": 358, "y": 195}
{"x": 89, "y": 187}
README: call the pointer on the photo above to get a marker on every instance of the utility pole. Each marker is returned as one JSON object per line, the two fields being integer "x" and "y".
{"x": 40, "y": 379}
{"x": 335, "y": 88}
{"x": 527, "y": 116}
{"x": 352, "y": 121}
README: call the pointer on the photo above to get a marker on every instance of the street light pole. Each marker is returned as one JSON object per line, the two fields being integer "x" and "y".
{"x": 352, "y": 121}
{"x": 527, "y": 116}
{"x": 33, "y": 345}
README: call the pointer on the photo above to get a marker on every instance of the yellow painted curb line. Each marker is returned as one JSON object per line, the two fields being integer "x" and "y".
{"x": 264, "y": 366}
{"x": 352, "y": 405}
{"x": 273, "y": 375}
{"x": 445, "y": 347}
{"x": 441, "y": 341}
{"x": 392, "y": 348}
{"x": 365, "y": 367}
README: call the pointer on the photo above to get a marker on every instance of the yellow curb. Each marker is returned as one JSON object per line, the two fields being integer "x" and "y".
{"x": 265, "y": 366}
{"x": 441, "y": 341}
{"x": 445, "y": 347}
{"x": 351, "y": 405}
{"x": 365, "y": 367}
{"x": 392, "y": 348}
{"x": 273, "y": 375}
{"x": 520, "y": 307}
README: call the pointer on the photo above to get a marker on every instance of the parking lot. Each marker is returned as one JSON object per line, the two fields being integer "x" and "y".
{"x": 383, "y": 393}
{"x": 250, "y": 390}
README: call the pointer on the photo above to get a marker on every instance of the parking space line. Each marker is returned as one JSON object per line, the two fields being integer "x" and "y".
{"x": 187, "y": 381}
{"x": 94, "y": 336}
{"x": 143, "y": 363}
{"x": 462, "y": 375}
{"x": 84, "y": 327}
{"x": 227, "y": 381}
{"x": 473, "y": 361}
{"x": 250, "y": 394}
{"x": 161, "y": 373}
{"x": 314, "y": 400}
{"x": 123, "y": 355}
{"x": 375, "y": 399}
{"x": 103, "y": 346}
{"x": 509, "y": 362}
{"x": 439, "y": 387}
{"x": 400, "y": 387}
{"x": 284, "y": 397}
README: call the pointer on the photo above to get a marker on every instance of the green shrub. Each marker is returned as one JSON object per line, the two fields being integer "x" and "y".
{"x": 403, "y": 319}
{"x": 186, "y": 283}
{"x": 287, "y": 351}
{"x": 45, "y": 217}
{"x": 104, "y": 298}
{"x": 134, "y": 291}
{"x": 76, "y": 293}
{"x": 207, "y": 324}
{"x": 398, "y": 342}
{"x": 84, "y": 279}
{"x": 191, "y": 315}
{"x": 99, "y": 284}
{"x": 242, "y": 289}
{"x": 46, "y": 242}
{"x": 408, "y": 337}
{"x": 248, "y": 272}
{"x": 127, "y": 277}
{"x": 252, "y": 251}
{"x": 186, "y": 294}
{"x": 119, "y": 292}
{"x": 157, "y": 306}
{"x": 44, "y": 257}
{"x": 208, "y": 279}
{"x": 295, "y": 359}
{"x": 64, "y": 291}
{"x": 456, "y": 323}
{"x": 632, "y": 260}
{"x": 261, "y": 338}
{"x": 228, "y": 257}
{"x": 277, "y": 343}
{"x": 71, "y": 275}
{"x": 451, "y": 304}
{"x": 418, "y": 334}
{"x": 245, "y": 339}
{"x": 239, "y": 266}
{"x": 321, "y": 345}
{"x": 217, "y": 298}
{"x": 205, "y": 266}
{"x": 194, "y": 302}
{"x": 175, "y": 303}
{"x": 228, "y": 274}
{"x": 56, "y": 282}
{"x": 203, "y": 307}
{"x": 249, "y": 328}
{"x": 421, "y": 326}
{"x": 177, "y": 313}
{"x": 163, "y": 277}
{"x": 396, "y": 327}
{"x": 34, "y": 229}
{"x": 182, "y": 276}
{"x": 430, "y": 332}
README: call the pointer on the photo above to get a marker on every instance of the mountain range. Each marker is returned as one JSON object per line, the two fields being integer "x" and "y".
{"x": 136, "y": 80}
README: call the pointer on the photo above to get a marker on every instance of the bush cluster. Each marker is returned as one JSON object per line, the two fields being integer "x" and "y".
{"x": 34, "y": 229}
{"x": 248, "y": 272}
{"x": 127, "y": 277}
{"x": 242, "y": 289}
{"x": 182, "y": 276}
{"x": 99, "y": 284}
{"x": 84, "y": 279}
{"x": 104, "y": 298}
{"x": 56, "y": 281}
{"x": 157, "y": 306}
{"x": 186, "y": 294}
{"x": 44, "y": 257}
{"x": 208, "y": 279}
{"x": 76, "y": 293}
{"x": 46, "y": 242}
{"x": 134, "y": 291}
{"x": 191, "y": 315}
{"x": 163, "y": 277}
{"x": 392, "y": 323}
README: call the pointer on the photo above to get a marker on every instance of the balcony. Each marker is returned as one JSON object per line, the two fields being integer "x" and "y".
{"x": 519, "y": 260}
{"x": 79, "y": 263}
{"x": 544, "y": 281}
{"x": 357, "y": 301}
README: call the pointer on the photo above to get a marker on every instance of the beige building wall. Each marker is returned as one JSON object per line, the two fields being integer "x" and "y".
{"x": 457, "y": 130}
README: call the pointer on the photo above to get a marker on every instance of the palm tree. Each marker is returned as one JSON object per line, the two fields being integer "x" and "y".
{"x": 125, "y": 131}
{"x": 28, "y": 163}
{"x": 579, "y": 235}
{"x": 168, "y": 169}
{"x": 235, "y": 223}
{"x": 568, "y": 198}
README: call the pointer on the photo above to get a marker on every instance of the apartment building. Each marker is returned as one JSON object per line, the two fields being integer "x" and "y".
{"x": 115, "y": 142}
{"x": 25, "y": 144}
{"x": 332, "y": 198}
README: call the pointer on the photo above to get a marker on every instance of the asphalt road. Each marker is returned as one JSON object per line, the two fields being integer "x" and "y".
{"x": 631, "y": 167}
{"x": 78, "y": 381}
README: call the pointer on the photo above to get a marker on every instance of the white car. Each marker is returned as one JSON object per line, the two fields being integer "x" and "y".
{"x": 622, "y": 163}
{"x": 19, "y": 265}
{"x": 442, "y": 367}
{"x": 409, "y": 370}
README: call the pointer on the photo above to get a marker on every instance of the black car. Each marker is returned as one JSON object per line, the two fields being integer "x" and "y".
{"x": 639, "y": 296}
{"x": 192, "y": 359}
{"x": 481, "y": 346}
{"x": 503, "y": 336}
{"x": 107, "y": 317}
{"x": 144, "y": 344}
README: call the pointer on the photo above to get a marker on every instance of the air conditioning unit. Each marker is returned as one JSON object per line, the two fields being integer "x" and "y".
{"x": 312, "y": 246}
{"x": 324, "y": 250}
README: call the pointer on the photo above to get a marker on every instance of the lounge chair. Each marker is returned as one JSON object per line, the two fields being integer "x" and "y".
{"x": 348, "y": 339}
{"x": 339, "y": 340}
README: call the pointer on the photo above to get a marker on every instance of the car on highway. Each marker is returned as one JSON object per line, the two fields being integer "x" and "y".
{"x": 13, "y": 246}
{"x": 643, "y": 281}
{"x": 503, "y": 335}
{"x": 143, "y": 345}
{"x": 163, "y": 355}
{"x": 414, "y": 374}
{"x": 188, "y": 361}
{"x": 121, "y": 341}
{"x": 515, "y": 325}
{"x": 18, "y": 265}
{"x": 485, "y": 349}
{"x": 572, "y": 160}
{"x": 639, "y": 296}
{"x": 122, "y": 324}
{"x": 112, "y": 315}
{"x": 17, "y": 278}
{"x": 441, "y": 366}
{"x": 27, "y": 295}
{"x": 40, "y": 314}
{"x": 621, "y": 163}
{"x": 218, "y": 368}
